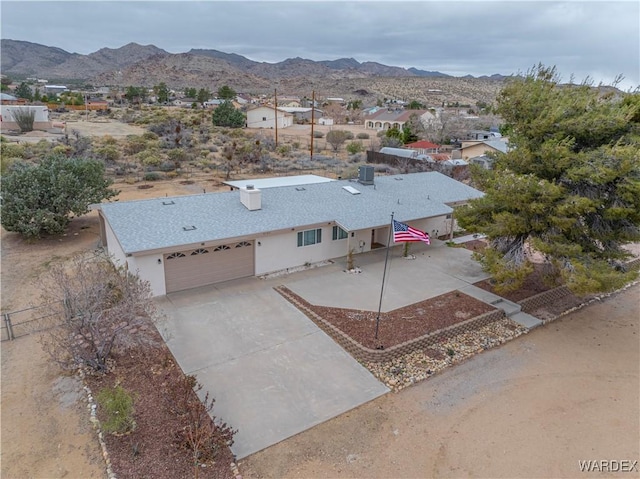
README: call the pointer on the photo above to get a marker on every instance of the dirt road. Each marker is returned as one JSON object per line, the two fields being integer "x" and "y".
{"x": 535, "y": 407}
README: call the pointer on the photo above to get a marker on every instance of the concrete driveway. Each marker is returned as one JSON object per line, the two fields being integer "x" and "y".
{"x": 272, "y": 371}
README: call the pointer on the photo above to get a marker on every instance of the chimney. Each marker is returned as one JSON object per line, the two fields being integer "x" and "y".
{"x": 251, "y": 197}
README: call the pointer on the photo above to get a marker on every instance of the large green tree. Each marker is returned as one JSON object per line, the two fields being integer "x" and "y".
{"x": 568, "y": 190}
{"x": 227, "y": 115}
{"x": 24, "y": 91}
{"x": 162, "y": 92}
{"x": 42, "y": 198}
{"x": 225, "y": 92}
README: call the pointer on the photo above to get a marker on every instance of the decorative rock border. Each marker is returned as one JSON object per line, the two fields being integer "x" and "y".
{"x": 93, "y": 417}
{"x": 364, "y": 354}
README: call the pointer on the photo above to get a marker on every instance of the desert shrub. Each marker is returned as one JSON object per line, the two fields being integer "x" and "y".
{"x": 149, "y": 136}
{"x": 11, "y": 150}
{"x": 295, "y": 145}
{"x": 109, "y": 140}
{"x": 149, "y": 157}
{"x": 117, "y": 405}
{"x": 108, "y": 153}
{"x": 135, "y": 144}
{"x": 177, "y": 155}
{"x": 284, "y": 150}
{"x": 25, "y": 118}
{"x": 203, "y": 436}
{"x": 362, "y": 136}
{"x": 318, "y": 134}
{"x": 152, "y": 176}
{"x": 61, "y": 150}
{"x": 354, "y": 147}
{"x": 348, "y": 135}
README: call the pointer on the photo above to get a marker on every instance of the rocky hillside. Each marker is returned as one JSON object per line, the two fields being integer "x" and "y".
{"x": 147, "y": 65}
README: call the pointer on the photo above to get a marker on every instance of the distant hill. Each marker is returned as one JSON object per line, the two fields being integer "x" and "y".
{"x": 148, "y": 65}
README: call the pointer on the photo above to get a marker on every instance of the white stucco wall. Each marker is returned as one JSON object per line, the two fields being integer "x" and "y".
{"x": 255, "y": 118}
{"x": 149, "y": 269}
{"x": 278, "y": 252}
{"x": 113, "y": 247}
{"x": 436, "y": 226}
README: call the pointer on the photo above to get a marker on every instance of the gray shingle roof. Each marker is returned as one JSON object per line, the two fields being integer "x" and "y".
{"x": 153, "y": 224}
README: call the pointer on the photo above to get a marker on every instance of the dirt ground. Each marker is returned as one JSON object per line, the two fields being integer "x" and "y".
{"x": 566, "y": 392}
{"x": 46, "y": 431}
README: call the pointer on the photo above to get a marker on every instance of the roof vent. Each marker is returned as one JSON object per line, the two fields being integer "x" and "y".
{"x": 351, "y": 190}
{"x": 188, "y": 228}
{"x": 300, "y": 188}
{"x": 250, "y": 187}
{"x": 170, "y": 202}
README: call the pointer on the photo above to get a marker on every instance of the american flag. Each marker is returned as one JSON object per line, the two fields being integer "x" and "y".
{"x": 404, "y": 233}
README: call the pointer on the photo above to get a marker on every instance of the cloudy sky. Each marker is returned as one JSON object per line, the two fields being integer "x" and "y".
{"x": 584, "y": 38}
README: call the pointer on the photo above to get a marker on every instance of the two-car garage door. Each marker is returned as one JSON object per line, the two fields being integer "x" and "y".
{"x": 198, "y": 267}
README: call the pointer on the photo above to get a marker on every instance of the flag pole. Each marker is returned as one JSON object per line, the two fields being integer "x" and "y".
{"x": 384, "y": 272}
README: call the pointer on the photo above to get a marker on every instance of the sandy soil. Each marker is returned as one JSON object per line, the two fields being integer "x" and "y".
{"x": 45, "y": 424}
{"x": 566, "y": 392}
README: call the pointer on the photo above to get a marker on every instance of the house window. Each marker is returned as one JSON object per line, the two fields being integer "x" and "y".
{"x": 309, "y": 237}
{"x": 264, "y": 118}
{"x": 339, "y": 233}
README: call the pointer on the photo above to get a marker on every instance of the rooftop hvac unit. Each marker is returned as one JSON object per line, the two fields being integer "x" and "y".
{"x": 365, "y": 175}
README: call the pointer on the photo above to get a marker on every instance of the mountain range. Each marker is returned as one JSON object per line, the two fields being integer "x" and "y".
{"x": 148, "y": 65}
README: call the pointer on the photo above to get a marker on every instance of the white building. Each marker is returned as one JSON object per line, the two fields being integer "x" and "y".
{"x": 188, "y": 241}
{"x": 41, "y": 116}
{"x": 264, "y": 117}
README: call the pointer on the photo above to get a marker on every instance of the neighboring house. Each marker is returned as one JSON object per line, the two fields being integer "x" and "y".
{"x": 189, "y": 241}
{"x": 302, "y": 114}
{"x": 54, "y": 89}
{"x": 482, "y": 135}
{"x": 483, "y": 160}
{"x": 185, "y": 102}
{"x": 386, "y": 119}
{"x": 471, "y": 149}
{"x": 213, "y": 103}
{"x": 403, "y": 152}
{"x": 423, "y": 147}
{"x": 265, "y": 116}
{"x": 325, "y": 121}
{"x": 289, "y": 104}
{"x": 6, "y": 99}
{"x": 41, "y": 118}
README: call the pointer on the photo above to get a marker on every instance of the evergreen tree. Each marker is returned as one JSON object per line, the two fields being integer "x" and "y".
{"x": 226, "y": 115}
{"x": 569, "y": 188}
{"x": 24, "y": 91}
{"x": 41, "y": 198}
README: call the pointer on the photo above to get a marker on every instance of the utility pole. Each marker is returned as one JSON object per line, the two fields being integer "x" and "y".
{"x": 275, "y": 111}
{"x": 313, "y": 110}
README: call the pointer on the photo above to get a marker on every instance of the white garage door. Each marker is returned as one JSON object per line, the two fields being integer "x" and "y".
{"x": 198, "y": 267}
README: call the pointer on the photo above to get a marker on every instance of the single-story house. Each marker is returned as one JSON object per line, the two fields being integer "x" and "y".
{"x": 386, "y": 119}
{"x": 471, "y": 149}
{"x": 6, "y": 99}
{"x": 303, "y": 114}
{"x": 264, "y": 117}
{"x": 183, "y": 242}
{"x": 423, "y": 147}
{"x": 40, "y": 121}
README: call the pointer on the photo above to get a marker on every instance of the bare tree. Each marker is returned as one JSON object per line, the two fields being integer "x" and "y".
{"x": 336, "y": 138}
{"x": 97, "y": 308}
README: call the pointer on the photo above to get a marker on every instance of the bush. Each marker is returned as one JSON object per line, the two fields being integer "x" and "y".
{"x": 44, "y": 197}
{"x": 362, "y": 136}
{"x": 318, "y": 134}
{"x": 152, "y": 176}
{"x": 118, "y": 408}
{"x": 108, "y": 153}
{"x": 354, "y": 147}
